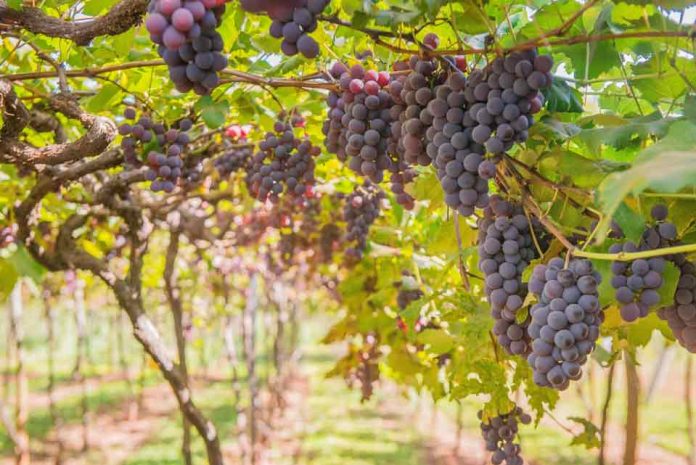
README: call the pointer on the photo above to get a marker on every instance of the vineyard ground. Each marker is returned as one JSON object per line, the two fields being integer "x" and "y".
{"x": 325, "y": 422}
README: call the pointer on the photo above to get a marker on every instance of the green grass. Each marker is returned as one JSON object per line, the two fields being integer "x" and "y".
{"x": 163, "y": 447}
{"x": 342, "y": 430}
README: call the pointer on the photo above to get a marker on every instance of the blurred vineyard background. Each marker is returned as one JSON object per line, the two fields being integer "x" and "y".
{"x": 75, "y": 381}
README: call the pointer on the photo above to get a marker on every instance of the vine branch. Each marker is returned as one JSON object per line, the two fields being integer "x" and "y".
{"x": 123, "y": 16}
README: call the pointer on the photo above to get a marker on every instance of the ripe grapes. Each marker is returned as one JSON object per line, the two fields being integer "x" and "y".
{"x": 236, "y": 157}
{"x": 293, "y": 21}
{"x": 185, "y": 32}
{"x": 335, "y": 140}
{"x": 505, "y": 249}
{"x": 565, "y": 322}
{"x": 484, "y": 113}
{"x": 164, "y": 146}
{"x": 681, "y": 315}
{"x": 283, "y": 163}
{"x": 637, "y": 282}
{"x": 361, "y": 210}
{"x": 500, "y": 432}
{"x": 366, "y": 121}
{"x": 415, "y": 92}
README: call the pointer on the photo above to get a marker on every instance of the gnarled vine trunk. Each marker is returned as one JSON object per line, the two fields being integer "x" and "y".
{"x": 175, "y": 305}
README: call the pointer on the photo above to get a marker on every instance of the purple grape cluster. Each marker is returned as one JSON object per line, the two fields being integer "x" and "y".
{"x": 485, "y": 113}
{"x": 565, "y": 321}
{"x": 460, "y": 162}
{"x": 187, "y": 39}
{"x": 333, "y": 129}
{"x": 638, "y": 282}
{"x": 293, "y": 21}
{"x": 506, "y": 248}
{"x": 415, "y": 91}
{"x": 237, "y": 157}
{"x": 165, "y": 159}
{"x": 681, "y": 315}
{"x": 401, "y": 175}
{"x": 283, "y": 164}
{"x": 361, "y": 210}
{"x": 503, "y": 97}
{"x": 500, "y": 432}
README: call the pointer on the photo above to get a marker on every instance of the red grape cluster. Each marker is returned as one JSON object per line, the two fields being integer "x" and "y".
{"x": 373, "y": 126}
{"x": 293, "y": 21}
{"x": 500, "y": 432}
{"x": 283, "y": 163}
{"x": 681, "y": 315}
{"x": 505, "y": 249}
{"x": 187, "y": 39}
{"x": 361, "y": 210}
{"x": 565, "y": 321}
{"x": 367, "y": 121}
{"x": 165, "y": 148}
{"x": 638, "y": 282}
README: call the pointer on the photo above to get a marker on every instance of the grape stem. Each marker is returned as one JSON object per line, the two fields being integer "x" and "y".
{"x": 630, "y": 256}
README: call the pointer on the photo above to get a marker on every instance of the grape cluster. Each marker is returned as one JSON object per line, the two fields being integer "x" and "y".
{"x": 401, "y": 175}
{"x": 565, "y": 321}
{"x": 167, "y": 146}
{"x": 461, "y": 166}
{"x": 192, "y": 171}
{"x": 283, "y": 163}
{"x": 506, "y": 248}
{"x": 185, "y": 32}
{"x": 335, "y": 135}
{"x": 681, "y": 316}
{"x": 412, "y": 118}
{"x": 361, "y": 210}
{"x": 293, "y": 21}
{"x": 637, "y": 282}
{"x": 485, "y": 113}
{"x": 366, "y": 121}
{"x": 500, "y": 433}
{"x": 503, "y": 97}
{"x": 236, "y": 157}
